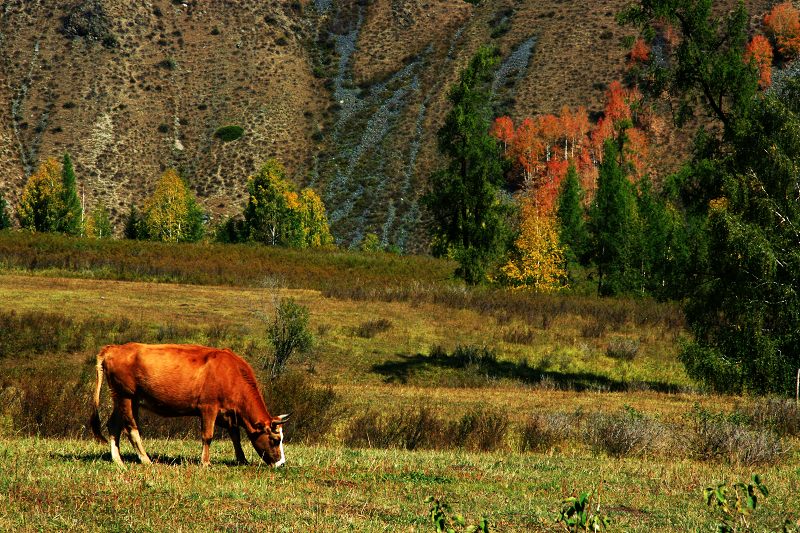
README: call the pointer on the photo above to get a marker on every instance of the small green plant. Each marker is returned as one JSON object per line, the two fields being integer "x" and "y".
{"x": 371, "y": 243}
{"x": 229, "y": 133}
{"x": 578, "y": 514}
{"x": 736, "y": 503}
{"x": 444, "y": 523}
{"x": 288, "y": 333}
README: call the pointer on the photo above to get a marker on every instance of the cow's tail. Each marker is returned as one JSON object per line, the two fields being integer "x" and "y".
{"x": 94, "y": 421}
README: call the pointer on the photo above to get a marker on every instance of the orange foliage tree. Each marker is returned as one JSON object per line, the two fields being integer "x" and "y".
{"x": 759, "y": 51}
{"x": 782, "y": 23}
{"x": 640, "y": 51}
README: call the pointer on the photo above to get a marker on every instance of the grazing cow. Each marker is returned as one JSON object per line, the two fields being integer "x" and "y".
{"x": 185, "y": 380}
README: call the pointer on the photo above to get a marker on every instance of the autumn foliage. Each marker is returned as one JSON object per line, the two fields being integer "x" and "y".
{"x": 759, "y": 51}
{"x": 640, "y": 51}
{"x": 782, "y": 23}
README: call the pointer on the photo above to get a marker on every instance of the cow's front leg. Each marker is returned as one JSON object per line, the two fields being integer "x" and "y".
{"x": 207, "y": 418}
{"x": 236, "y": 438}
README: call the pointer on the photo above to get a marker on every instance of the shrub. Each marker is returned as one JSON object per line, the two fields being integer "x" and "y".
{"x": 288, "y": 333}
{"x": 777, "y": 414}
{"x": 314, "y": 408}
{"x": 480, "y": 430}
{"x": 519, "y": 336}
{"x": 370, "y": 328}
{"x": 719, "y": 436}
{"x": 628, "y": 432}
{"x": 229, "y": 133}
{"x": 541, "y": 432}
{"x": 412, "y": 428}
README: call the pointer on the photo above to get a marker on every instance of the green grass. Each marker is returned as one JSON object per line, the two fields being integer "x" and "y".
{"x": 70, "y": 484}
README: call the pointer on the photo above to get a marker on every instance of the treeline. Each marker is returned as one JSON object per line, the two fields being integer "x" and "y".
{"x": 721, "y": 235}
{"x": 275, "y": 214}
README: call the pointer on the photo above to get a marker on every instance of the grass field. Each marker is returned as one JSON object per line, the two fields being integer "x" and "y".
{"x": 71, "y": 485}
{"x": 566, "y": 394}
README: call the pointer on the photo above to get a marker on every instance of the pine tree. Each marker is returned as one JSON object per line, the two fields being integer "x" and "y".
{"x": 5, "y": 221}
{"x": 133, "y": 224}
{"x": 469, "y": 217}
{"x": 614, "y": 225}
{"x": 570, "y": 213}
{"x": 71, "y": 217}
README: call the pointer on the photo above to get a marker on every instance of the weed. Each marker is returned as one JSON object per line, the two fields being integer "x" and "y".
{"x": 443, "y": 522}
{"x": 777, "y": 414}
{"x": 735, "y": 504}
{"x": 578, "y": 514}
{"x": 480, "y": 429}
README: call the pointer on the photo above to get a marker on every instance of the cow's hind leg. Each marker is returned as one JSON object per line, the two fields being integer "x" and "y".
{"x": 114, "y": 426}
{"x": 131, "y": 417}
{"x": 208, "y": 417}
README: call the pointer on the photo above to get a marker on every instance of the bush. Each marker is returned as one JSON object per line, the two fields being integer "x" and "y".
{"x": 480, "y": 430}
{"x": 542, "y": 432}
{"x": 777, "y": 414}
{"x": 410, "y": 429}
{"x": 719, "y": 436}
{"x": 314, "y": 408}
{"x": 623, "y": 349}
{"x": 229, "y": 133}
{"x": 628, "y": 432}
{"x": 288, "y": 333}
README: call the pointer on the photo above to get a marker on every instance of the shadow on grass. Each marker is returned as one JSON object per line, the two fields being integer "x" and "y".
{"x": 132, "y": 458}
{"x": 411, "y": 365}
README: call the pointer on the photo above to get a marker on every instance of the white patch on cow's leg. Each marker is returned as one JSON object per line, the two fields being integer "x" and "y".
{"x": 115, "y": 450}
{"x": 136, "y": 441}
{"x": 283, "y": 457}
{"x": 205, "y": 457}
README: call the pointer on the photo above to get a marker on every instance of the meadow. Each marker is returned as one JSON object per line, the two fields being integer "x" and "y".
{"x": 500, "y": 403}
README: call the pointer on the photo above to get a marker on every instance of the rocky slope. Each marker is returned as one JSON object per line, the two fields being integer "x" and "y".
{"x": 348, "y": 94}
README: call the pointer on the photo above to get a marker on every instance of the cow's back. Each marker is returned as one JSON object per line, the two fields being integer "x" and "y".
{"x": 170, "y": 379}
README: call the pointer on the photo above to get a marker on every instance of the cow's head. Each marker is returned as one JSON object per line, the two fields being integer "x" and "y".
{"x": 268, "y": 440}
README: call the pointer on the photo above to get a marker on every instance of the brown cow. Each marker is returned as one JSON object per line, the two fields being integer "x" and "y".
{"x": 185, "y": 380}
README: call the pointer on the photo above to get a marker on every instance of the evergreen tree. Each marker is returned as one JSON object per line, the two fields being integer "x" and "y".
{"x": 71, "y": 217}
{"x": 133, "y": 224}
{"x": 40, "y": 207}
{"x": 469, "y": 216}
{"x": 5, "y": 221}
{"x": 572, "y": 228}
{"x": 614, "y": 225}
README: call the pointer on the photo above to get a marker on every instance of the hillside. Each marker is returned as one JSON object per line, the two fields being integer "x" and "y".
{"x": 347, "y": 94}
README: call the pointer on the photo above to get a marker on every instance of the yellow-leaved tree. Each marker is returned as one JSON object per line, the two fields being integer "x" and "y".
{"x": 537, "y": 261}
{"x": 171, "y": 214}
{"x": 313, "y": 219}
{"x": 41, "y": 204}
